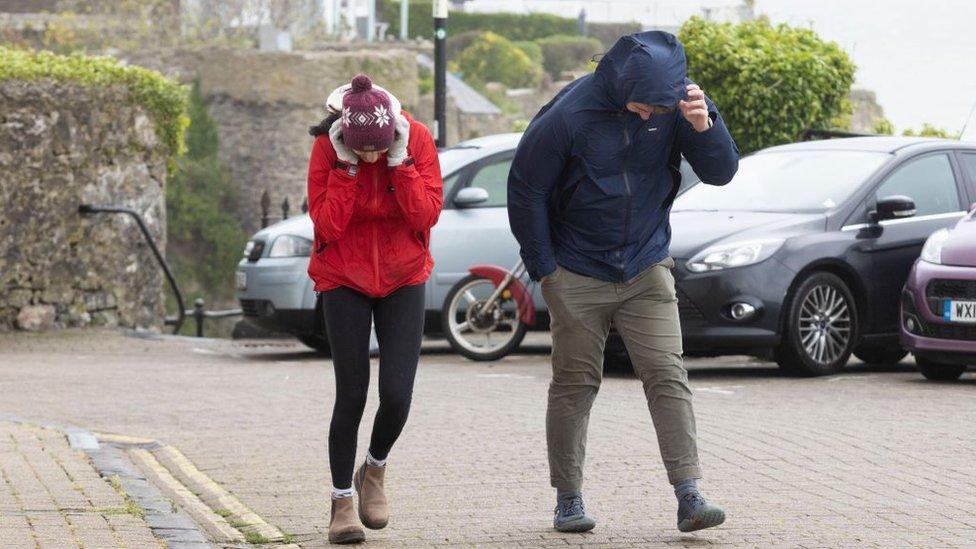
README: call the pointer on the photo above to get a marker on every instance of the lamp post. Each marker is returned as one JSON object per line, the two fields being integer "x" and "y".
{"x": 440, "y": 72}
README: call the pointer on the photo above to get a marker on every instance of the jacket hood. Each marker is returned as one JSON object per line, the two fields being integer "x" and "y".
{"x": 646, "y": 67}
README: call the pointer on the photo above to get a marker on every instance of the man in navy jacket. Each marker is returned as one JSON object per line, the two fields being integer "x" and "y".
{"x": 589, "y": 196}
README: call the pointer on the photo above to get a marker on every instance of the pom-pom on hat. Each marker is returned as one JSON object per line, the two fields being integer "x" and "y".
{"x": 367, "y": 121}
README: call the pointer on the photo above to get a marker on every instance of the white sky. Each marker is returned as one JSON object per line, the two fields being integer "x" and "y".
{"x": 919, "y": 56}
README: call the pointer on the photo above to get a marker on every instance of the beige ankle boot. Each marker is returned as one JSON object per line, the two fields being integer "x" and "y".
{"x": 344, "y": 526}
{"x": 373, "y": 509}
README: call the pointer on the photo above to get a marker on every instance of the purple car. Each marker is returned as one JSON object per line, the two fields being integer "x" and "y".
{"x": 938, "y": 304}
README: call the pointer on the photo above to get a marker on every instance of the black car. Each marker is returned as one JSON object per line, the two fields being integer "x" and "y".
{"x": 804, "y": 254}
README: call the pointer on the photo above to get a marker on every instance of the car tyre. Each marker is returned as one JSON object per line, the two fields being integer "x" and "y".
{"x": 937, "y": 371}
{"x": 319, "y": 343}
{"x": 820, "y": 328}
{"x": 880, "y": 355}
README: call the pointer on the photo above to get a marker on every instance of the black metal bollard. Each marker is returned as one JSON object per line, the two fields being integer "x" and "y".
{"x": 265, "y": 208}
{"x": 198, "y": 315}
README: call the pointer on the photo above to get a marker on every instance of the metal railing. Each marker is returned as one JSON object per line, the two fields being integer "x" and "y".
{"x": 198, "y": 312}
{"x": 285, "y": 208}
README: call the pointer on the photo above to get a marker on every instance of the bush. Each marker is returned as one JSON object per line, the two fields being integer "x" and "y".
{"x": 514, "y": 26}
{"x": 164, "y": 99}
{"x": 564, "y": 53}
{"x": 459, "y": 42}
{"x": 771, "y": 83}
{"x": 609, "y": 33}
{"x": 930, "y": 130}
{"x": 495, "y": 59}
{"x": 883, "y": 126}
{"x": 531, "y": 49}
{"x": 204, "y": 240}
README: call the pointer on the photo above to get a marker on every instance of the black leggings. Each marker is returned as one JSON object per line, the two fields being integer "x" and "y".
{"x": 399, "y": 320}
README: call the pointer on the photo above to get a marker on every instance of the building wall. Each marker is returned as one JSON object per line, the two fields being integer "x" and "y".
{"x": 62, "y": 145}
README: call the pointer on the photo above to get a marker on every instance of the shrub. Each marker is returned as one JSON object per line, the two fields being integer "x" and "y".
{"x": 514, "y": 26}
{"x": 609, "y": 33}
{"x": 771, "y": 83}
{"x": 459, "y": 42}
{"x": 883, "y": 126}
{"x": 930, "y": 130}
{"x": 204, "y": 240}
{"x": 495, "y": 59}
{"x": 531, "y": 49}
{"x": 563, "y": 53}
{"x": 164, "y": 99}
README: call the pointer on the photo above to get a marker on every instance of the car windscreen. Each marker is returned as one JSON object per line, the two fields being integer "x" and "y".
{"x": 787, "y": 181}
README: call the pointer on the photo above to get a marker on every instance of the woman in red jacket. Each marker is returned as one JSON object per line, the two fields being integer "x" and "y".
{"x": 374, "y": 192}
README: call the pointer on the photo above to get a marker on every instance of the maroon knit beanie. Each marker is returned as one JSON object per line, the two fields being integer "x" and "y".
{"x": 367, "y": 123}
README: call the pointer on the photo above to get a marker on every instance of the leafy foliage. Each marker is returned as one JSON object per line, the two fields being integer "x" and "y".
{"x": 883, "y": 126}
{"x": 205, "y": 241}
{"x": 563, "y": 53}
{"x": 494, "y": 58}
{"x": 532, "y": 49}
{"x": 771, "y": 82}
{"x": 930, "y": 130}
{"x": 164, "y": 99}
{"x": 514, "y": 26}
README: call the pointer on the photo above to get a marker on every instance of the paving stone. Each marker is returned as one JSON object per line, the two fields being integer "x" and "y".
{"x": 873, "y": 457}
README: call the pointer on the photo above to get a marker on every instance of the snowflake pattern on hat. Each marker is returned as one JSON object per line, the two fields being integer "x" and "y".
{"x": 379, "y": 117}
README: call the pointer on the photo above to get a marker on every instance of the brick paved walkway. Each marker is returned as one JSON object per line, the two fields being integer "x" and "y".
{"x": 869, "y": 458}
{"x": 51, "y": 496}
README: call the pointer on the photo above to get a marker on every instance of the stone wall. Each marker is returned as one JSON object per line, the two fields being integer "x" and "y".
{"x": 264, "y": 102}
{"x": 62, "y": 145}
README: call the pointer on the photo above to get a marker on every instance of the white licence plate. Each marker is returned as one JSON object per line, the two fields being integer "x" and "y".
{"x": 240, "y": 280}
{"x": 959, "y": 311}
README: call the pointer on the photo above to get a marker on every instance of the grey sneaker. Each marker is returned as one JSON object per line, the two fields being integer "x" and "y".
{"x": 694, "y": 513}
{"x": 571, "y": 515}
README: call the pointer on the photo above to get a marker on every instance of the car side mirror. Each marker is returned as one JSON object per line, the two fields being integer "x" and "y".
{"x": 893, "y": 207}
{"x": 470, "y": 196}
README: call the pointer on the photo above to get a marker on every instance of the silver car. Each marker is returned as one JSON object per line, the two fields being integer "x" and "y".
{"x": 275, "y": 291}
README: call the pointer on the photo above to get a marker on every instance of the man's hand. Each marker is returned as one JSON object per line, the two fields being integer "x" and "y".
{"x": 695, "y": 110}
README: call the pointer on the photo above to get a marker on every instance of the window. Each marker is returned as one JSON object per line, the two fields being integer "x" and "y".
{"x": 928, "y": 181}
{"x": 969, "y": 160}
{"x": 450, "y": 181}
{"x": 493, "y": 178}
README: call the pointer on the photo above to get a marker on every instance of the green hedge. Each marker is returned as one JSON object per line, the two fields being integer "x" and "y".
{"x": 165, "y": 99}
{"x": 562, "y": 53}
{"x": 494, "y": 58}
{"x": 531, "y": 49}
{"x": 205, "y": 240}
{"x": 770, "y": 82}
{"x": 514, "y": 26}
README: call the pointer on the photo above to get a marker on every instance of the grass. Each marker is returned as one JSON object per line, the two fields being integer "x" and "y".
{"x": 128, "y": 506}
{"x": 255, "y": 538}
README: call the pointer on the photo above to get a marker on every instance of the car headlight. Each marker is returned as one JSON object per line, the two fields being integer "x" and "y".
{"x": 932, "y": 250}
{"x": 288, "y": 245}
{"x": 735, "y": 254}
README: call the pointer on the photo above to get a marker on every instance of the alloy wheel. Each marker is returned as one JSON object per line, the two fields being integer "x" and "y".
{"x": 825, "y": 324}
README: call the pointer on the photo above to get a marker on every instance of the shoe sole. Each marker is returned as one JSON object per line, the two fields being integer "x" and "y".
{"x": 584, "y": 524}
{"x": 706, "y": 519}
{"x": 348, "y": 538}
{"x": 358, "y": 485}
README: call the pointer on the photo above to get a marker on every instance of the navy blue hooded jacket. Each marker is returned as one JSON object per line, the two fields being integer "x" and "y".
{"x": 592, "y": 183}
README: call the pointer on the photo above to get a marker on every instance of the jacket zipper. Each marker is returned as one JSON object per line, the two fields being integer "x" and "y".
{"x": 623, "y": 244}
{"x": 376, "y": 248}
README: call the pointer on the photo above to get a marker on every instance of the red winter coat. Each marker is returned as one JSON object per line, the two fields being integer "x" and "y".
{"x": 372, "y": 230}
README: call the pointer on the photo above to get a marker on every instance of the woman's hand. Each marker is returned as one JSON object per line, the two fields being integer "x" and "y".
{"x": 398, "y": 150}
{"x": 343, "y": 152}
